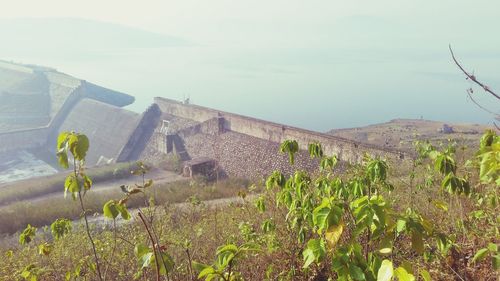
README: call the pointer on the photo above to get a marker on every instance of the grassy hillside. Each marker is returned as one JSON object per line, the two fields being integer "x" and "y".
{"x": 400, "y": 133}
{"x": 434, "y": 217}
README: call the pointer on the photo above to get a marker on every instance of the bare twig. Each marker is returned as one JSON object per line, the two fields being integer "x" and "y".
{"x": 471, "y": 76}
{"x": 480, "y": 106}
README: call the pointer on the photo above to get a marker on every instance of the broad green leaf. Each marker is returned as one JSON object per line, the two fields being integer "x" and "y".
{"x": 495, "y": 262}
{"x": 315, "y": 252}
{"x": 377, "y": 170}
{"x": 480, "y": 255}
{"x": 122, "y": 208}
{"x": 146, "y": 259}
{"x": 403, "y": 275}
{"x": 445, "y": 164}
{"x": 443, "y": 243}
{"x": 206, "y": 272}
{"x": 401, "y": 225}
{"x": 198, "y": 267}
{"x": 333, "y": 234}
{"x": 425, "y": 275}
{"x": 385, "y": 271}
{"x": 320, "y": 215}
{"x": 110, "y": 209}
{"x": 492, "y": 247}
{"x": 80, "y": 148}
{"x": 356, "y": 273}
{"x": 407, "y": 266}
{"x": 140, "y": 250}
{"x": 72, "y": 185}
{"x": 62, "y": 158}
{"x": 227, "y": 248}
{"x": 326, "y": 215}
{"x": 61, "y": 140}
{"x": 87, "y": 182}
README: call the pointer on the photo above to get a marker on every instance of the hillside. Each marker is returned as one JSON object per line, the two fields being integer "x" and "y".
{"x": 400, "y": 133}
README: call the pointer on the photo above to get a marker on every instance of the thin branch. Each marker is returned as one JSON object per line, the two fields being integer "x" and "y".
{"x": 90, "y": 237}
{"x": 112, "y": 251}
{"x": 480, "y": 106}
{"x": 471, "y": 76}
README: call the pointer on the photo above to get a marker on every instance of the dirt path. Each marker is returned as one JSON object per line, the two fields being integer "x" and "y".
{"x": 101, "y": 222}
{"x": 157, "y": 175}
{"x": 181, "y": 207}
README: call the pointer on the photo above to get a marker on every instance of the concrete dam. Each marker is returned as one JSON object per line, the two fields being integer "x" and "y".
{"x": 38, "y": 102}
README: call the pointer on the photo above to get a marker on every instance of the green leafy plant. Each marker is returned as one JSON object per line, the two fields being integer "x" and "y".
{"x": 77, "y": 183}
{"x": 27, "y": 235}
{"x": 60, "y": 228}
{"x": 227, "y": 257}
{"x": 492, "y": 252}
{"x": 291, "y": 147}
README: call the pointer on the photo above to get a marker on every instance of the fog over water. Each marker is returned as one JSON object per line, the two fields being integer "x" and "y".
{"x": 306, "y": 65}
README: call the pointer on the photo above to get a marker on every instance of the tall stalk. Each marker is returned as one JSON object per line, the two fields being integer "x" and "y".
{"x": 87, "y": 228}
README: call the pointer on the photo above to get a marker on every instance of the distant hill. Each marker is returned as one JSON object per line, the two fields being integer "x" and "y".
{"x": 400, "y": 133}
{"x": 69, "y": 35}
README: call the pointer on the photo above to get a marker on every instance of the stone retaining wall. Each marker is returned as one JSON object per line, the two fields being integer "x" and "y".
{"x": 245, "y": 156}
{"x": 346, "y": 150}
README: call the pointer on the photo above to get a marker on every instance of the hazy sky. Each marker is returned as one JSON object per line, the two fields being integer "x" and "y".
{"x": 210, "y": 20}
{"x": 364, "y": 61}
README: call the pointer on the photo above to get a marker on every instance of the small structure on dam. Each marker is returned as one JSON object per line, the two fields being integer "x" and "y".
{"x": 203, "y": 166}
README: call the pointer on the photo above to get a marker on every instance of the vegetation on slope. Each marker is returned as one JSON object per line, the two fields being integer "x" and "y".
{"x": 436, "y": 221}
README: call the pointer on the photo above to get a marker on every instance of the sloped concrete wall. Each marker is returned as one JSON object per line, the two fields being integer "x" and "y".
{"x": 23, "y": 139}
{"x": 108, "y": 127}
{"x": 140, "y": 136}
{"x": 42, "y": 136}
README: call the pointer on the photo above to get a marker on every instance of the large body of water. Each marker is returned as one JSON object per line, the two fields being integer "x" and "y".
{"x": 309, "y": 87}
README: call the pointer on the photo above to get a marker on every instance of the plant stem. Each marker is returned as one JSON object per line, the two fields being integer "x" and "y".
{"x": 90, "y": 237}
{"x": 112, "y": 251}
{"x": 190, "y": 265}
{"x": 141, "y": 216}
{"x": 368, "y": 234}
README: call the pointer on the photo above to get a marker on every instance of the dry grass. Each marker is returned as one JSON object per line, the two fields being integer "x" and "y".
{"x": 43, "y": 212}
